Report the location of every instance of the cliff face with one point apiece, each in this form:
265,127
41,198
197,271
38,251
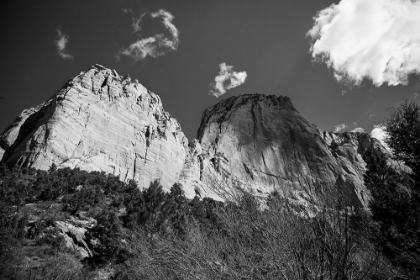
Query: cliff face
263,144
101,121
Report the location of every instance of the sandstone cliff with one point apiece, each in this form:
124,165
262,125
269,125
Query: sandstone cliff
263,144
101,121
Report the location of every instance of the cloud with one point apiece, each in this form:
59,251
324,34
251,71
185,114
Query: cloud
358,129
415,95
227,79
339,127
136,22
371,116
61,44
374,39
156,45
126,11
379,133
354,123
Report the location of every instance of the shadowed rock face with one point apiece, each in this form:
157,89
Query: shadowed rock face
263,144
100,121
103,122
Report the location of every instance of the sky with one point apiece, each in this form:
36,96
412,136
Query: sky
343,63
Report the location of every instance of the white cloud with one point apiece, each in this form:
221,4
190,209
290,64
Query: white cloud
136,22
379,133
156,45
227,79
358,129
354,123
374,39
371,116
61,44
167,21
339,127
415,95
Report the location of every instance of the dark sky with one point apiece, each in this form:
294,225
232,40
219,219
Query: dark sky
265,38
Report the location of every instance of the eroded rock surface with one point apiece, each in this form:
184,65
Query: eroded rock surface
100,121
263,144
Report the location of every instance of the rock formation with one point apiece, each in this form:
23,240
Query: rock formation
101,121
263,144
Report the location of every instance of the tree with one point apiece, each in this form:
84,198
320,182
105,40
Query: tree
403,128
395,191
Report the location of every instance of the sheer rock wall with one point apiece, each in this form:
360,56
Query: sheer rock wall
100,121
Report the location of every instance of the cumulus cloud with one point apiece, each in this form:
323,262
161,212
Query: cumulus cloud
379,133
339,127
374,39
358,129
156,45
61,44
227,79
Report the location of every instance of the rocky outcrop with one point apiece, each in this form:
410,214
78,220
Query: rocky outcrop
74,238
263,144
100,121
104,122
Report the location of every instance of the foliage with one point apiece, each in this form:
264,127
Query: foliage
153,234
395,191
403,129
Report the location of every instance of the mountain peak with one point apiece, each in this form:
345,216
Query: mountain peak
101,121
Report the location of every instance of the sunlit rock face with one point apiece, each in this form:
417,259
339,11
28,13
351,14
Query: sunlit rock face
100,121
263,144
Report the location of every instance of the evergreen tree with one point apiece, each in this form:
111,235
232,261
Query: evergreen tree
395,203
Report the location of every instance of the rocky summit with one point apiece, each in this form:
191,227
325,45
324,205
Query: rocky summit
100,121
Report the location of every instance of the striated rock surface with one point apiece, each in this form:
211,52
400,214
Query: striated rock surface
263,144
100,121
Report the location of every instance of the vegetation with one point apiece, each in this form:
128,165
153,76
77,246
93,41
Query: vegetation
130,233
395,191
152,234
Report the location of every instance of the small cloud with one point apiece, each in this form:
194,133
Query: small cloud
126,11
354,123
416,93
374,39
227,79
371,116
339,127
156,45
379,133
358,129
167,22
136,22
61,44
